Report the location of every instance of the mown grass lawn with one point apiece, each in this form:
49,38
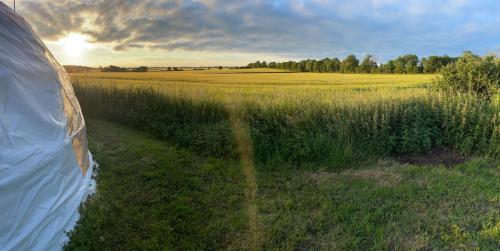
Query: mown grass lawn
387,206
153,196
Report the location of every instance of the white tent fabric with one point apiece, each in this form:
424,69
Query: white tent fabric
45,166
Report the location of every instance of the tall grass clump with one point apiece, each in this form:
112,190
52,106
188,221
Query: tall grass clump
336,135
199,125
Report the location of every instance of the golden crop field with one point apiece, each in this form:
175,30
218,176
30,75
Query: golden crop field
267,85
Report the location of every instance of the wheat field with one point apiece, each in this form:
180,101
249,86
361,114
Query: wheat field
268,85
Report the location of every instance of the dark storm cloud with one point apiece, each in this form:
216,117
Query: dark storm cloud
313,28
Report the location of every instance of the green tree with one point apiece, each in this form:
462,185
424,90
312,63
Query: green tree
309,65
327,65
406,64
433,64
368,65
349,64
335,65
316,66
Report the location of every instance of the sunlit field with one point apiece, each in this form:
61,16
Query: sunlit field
268,85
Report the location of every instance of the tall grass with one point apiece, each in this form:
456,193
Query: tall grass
337,135
302,126
200,125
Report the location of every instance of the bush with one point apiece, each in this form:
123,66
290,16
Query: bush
471,74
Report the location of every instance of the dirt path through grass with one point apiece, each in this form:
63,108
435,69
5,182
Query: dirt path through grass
243,140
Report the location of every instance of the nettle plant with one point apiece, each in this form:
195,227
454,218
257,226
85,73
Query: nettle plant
471,74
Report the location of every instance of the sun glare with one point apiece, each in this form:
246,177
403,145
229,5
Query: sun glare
75,44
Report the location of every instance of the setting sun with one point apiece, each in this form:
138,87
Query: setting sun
75,44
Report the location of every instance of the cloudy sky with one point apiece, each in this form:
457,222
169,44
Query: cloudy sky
228,32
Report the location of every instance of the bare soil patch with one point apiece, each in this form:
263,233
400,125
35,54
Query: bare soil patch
434,157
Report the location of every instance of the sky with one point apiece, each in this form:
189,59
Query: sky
229,32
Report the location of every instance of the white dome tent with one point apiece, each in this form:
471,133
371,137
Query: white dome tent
45,166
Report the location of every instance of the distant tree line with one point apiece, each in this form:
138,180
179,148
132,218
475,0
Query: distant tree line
173,69
401,65
113,68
